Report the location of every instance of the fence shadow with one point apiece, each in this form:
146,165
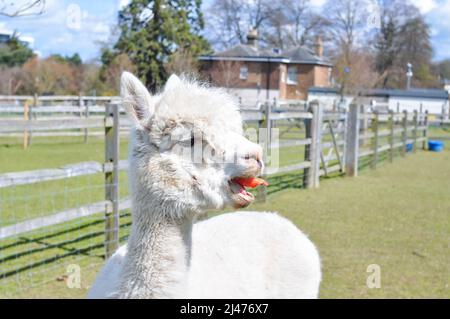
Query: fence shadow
95,240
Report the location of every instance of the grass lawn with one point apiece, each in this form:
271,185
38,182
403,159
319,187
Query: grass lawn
396,217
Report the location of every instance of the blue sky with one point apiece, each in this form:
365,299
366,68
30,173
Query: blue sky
79,26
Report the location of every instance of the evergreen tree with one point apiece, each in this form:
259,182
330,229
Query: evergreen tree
404,37
14,52
153,30
75,59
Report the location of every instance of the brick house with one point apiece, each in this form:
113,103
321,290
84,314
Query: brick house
255,73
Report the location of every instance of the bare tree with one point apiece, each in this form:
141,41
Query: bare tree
347,23
21,7
403,38
11,80
292,23
182,61
346,19
363,74
228,21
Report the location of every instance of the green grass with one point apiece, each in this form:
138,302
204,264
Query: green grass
51,152
395,216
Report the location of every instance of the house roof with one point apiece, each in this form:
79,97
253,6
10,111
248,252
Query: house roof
245,52
411,93
302,54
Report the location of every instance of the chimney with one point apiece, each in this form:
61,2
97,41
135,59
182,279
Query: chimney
319,46
252,38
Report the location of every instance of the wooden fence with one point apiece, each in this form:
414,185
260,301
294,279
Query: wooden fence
32,108
332,142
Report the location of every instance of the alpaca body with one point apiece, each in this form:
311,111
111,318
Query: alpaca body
270,258
188,154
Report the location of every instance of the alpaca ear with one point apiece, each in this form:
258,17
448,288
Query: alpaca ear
173,82
136,99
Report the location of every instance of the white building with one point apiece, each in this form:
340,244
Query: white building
435,101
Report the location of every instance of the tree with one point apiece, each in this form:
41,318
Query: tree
21,8
345,24
11,80
292,23
182,61
110,74
403,37
346,19
362,73
14,52
230,20
282,24
75,59
49,76
153,30
443,69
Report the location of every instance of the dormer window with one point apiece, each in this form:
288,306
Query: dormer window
292,75
243,72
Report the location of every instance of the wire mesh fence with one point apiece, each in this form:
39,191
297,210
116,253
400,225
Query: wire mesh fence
50,225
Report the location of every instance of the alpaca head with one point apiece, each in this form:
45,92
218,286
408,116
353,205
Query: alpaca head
187,147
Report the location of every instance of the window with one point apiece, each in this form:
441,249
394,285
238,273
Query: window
292,75
243,73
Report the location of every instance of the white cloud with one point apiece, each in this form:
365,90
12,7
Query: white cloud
53,32
317,3
65,38
425,6
123,3
4,28
100,27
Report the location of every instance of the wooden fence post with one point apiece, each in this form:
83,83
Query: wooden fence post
352,141
344,137
375,126
364,123
425,131
86,114
391,135
405,131
32,115
416,124
442,114
262,191
111,179
312,151
26,117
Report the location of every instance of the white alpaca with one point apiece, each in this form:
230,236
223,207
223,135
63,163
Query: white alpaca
235,255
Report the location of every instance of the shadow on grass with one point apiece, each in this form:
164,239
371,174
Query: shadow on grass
46,246
294,180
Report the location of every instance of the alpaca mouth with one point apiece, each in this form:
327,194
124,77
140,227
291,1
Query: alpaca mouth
241,197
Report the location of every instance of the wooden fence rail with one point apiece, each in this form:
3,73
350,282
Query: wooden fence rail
339,133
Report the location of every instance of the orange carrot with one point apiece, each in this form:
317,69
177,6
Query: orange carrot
251,182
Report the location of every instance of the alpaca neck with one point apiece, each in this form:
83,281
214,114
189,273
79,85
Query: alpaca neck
158,257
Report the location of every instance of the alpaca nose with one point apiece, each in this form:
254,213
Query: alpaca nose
255,154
